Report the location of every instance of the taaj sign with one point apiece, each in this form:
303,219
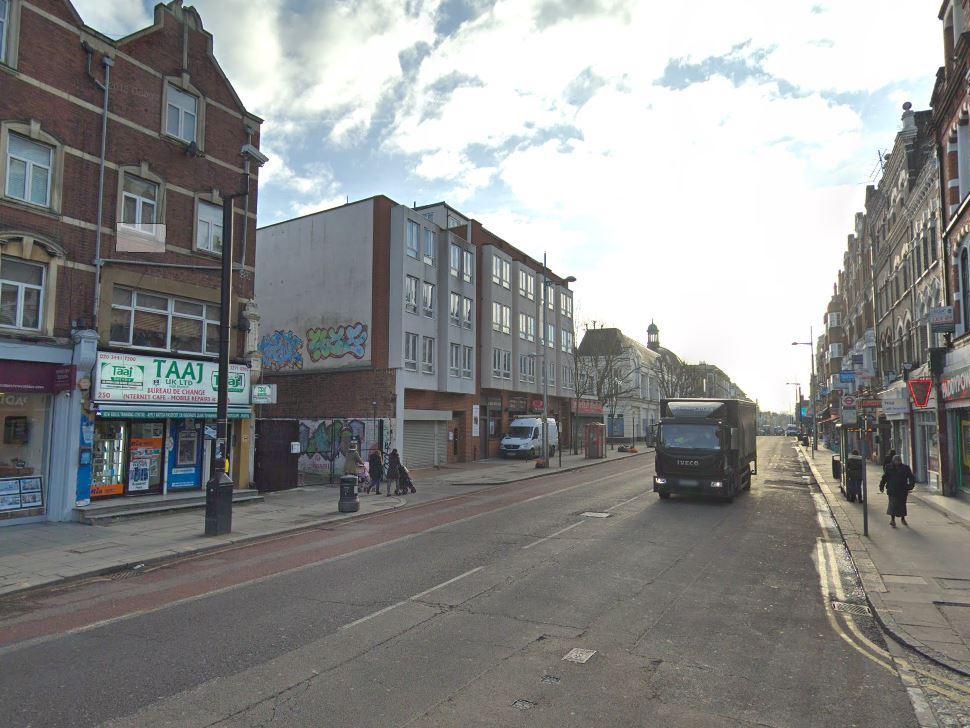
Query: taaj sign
133,378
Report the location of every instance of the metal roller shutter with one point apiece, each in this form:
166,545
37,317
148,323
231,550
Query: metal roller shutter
420,442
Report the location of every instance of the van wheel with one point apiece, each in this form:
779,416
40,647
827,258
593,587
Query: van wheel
532,453
552,450
663,496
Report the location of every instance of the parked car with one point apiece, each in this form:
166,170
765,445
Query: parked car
792,430
524,438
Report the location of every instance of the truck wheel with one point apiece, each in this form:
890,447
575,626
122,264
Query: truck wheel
728,499
663,496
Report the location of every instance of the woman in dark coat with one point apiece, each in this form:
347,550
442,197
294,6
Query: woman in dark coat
393,471
375,466
898,480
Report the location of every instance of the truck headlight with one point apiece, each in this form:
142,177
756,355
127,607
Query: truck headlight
717,484
660,481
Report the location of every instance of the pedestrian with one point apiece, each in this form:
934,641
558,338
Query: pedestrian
898,480
376,465
352,461
853,476
888,460
393,471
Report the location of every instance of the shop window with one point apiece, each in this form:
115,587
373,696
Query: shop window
23,451
21,294
153,321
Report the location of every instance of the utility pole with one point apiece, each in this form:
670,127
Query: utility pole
218,491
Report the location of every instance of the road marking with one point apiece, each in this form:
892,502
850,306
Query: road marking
628,500
30,642
579,654
552,535
412,598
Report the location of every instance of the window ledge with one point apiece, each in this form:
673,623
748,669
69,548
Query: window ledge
29,207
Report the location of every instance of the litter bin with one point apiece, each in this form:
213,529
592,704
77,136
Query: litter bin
349,502
837,467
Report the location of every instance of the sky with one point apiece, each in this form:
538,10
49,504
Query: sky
696,164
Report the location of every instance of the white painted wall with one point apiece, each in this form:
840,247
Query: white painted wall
313,276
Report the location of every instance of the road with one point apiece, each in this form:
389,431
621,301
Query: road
459,613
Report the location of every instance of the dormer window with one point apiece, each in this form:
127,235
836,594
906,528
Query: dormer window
182,115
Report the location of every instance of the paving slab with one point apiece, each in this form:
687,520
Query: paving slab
914,576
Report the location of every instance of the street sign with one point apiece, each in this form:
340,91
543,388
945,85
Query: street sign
846,376
849,416
942,320
264,394
848,401
920,390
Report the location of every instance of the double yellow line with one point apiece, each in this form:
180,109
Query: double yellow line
854,637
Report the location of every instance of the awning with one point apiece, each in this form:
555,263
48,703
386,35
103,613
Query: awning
121,411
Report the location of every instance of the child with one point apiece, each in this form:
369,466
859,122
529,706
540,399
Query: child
405,483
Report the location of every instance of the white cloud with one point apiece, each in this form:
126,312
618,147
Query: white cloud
720,209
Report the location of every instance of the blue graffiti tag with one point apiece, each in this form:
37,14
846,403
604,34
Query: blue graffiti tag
281,350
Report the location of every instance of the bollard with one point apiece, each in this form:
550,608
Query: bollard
349,502
837,467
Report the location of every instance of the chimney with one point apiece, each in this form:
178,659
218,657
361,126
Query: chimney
909,118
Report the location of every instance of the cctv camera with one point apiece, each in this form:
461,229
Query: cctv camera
248,150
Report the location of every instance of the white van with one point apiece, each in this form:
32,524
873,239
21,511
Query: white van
524,438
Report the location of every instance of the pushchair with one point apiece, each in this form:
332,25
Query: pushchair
404,482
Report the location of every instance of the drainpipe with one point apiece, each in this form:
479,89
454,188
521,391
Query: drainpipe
105,87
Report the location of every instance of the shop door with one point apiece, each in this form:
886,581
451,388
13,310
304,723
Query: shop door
146,447
276,467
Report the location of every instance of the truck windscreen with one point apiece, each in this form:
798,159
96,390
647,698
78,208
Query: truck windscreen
690,437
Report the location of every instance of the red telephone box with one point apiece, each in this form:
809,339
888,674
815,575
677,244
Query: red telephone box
594,435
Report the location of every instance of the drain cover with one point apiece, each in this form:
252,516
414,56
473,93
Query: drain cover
578,654
550,679
523,704
860,610
596,514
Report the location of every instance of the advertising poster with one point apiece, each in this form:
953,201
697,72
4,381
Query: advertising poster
9,502
139,474
476,413
9,487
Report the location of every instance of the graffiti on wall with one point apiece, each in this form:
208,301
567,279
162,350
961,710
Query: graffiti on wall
337,341
324,445
281,350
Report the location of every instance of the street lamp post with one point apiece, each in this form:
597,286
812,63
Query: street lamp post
812,384
798,402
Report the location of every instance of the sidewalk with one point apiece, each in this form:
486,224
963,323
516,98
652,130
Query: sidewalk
916,577
45,553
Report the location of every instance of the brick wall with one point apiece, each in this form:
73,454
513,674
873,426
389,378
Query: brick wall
50,85
460,405
315,395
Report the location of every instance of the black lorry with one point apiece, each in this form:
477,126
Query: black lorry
706,447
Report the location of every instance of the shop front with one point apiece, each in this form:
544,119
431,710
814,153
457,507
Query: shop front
956,399
154,428
894,431
27,391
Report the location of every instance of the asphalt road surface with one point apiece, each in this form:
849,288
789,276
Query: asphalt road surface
460,612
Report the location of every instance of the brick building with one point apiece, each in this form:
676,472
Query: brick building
382,325
110,302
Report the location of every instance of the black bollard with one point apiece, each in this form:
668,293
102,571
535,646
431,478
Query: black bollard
349,502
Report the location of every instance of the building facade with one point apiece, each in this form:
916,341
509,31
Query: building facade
620,373
110,290
409,328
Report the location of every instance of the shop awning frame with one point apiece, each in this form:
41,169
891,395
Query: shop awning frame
120,411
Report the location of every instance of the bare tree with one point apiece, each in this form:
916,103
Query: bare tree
605,369
674,377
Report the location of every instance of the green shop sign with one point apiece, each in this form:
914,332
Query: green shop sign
134,378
